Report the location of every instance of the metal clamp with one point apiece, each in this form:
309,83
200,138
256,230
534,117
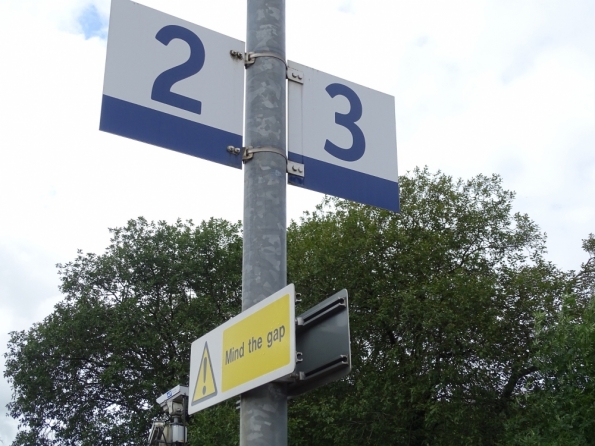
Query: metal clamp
251,58
292,167
249,152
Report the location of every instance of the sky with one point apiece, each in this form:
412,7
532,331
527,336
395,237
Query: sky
480,87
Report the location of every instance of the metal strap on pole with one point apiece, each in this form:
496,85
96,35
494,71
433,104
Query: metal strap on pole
250,151
251,57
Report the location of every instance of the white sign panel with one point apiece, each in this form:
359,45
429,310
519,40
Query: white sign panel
345,136
255,347
173,84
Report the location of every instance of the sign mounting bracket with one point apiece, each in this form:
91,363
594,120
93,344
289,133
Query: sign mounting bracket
295,75
294,168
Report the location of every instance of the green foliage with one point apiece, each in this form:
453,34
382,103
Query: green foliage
558,407
216,426
90,372
442,304
461,332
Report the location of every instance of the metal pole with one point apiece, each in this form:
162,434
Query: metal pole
263,413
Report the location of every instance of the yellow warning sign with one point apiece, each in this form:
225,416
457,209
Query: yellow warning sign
251,349
257,344
206,387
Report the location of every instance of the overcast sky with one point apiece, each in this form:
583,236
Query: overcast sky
503,86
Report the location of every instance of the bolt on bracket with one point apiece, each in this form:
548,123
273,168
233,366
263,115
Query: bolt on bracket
295,75
294,168
233,150
236,54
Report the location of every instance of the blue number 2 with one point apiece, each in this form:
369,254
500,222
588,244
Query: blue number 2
166,80
358,147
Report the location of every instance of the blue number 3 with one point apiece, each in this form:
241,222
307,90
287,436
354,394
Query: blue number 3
166,80
358,147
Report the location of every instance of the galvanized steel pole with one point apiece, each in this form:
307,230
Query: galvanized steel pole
264,271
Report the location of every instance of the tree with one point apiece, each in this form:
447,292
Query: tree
442,305
89,373
558,405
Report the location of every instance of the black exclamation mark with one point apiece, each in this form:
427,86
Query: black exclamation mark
204,380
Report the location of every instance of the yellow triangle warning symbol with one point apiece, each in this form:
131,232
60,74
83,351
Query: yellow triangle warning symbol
205,382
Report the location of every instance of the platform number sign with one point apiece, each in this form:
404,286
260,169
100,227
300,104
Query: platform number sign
345,136
173,84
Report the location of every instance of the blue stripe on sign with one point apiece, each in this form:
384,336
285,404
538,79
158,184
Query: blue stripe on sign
346,183
171,132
